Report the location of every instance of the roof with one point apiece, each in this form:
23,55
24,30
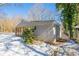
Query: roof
35,23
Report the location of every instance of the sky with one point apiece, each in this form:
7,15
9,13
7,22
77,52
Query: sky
21,9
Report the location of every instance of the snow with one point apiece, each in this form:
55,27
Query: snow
11,45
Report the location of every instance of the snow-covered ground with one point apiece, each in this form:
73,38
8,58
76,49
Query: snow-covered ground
10,45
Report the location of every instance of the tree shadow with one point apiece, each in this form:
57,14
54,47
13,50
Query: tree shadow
25,47
7,45
36,50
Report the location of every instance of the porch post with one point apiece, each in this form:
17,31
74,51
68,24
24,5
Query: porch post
16,31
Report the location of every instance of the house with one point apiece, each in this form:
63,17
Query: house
44,29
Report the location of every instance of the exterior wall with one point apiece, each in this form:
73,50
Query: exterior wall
43,32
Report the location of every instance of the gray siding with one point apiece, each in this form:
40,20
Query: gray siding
45,32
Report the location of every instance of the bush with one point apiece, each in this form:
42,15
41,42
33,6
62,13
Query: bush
28,35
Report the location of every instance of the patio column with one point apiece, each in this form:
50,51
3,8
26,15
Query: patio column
16,31
19,31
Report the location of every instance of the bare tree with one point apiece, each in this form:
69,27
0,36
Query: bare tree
38,12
